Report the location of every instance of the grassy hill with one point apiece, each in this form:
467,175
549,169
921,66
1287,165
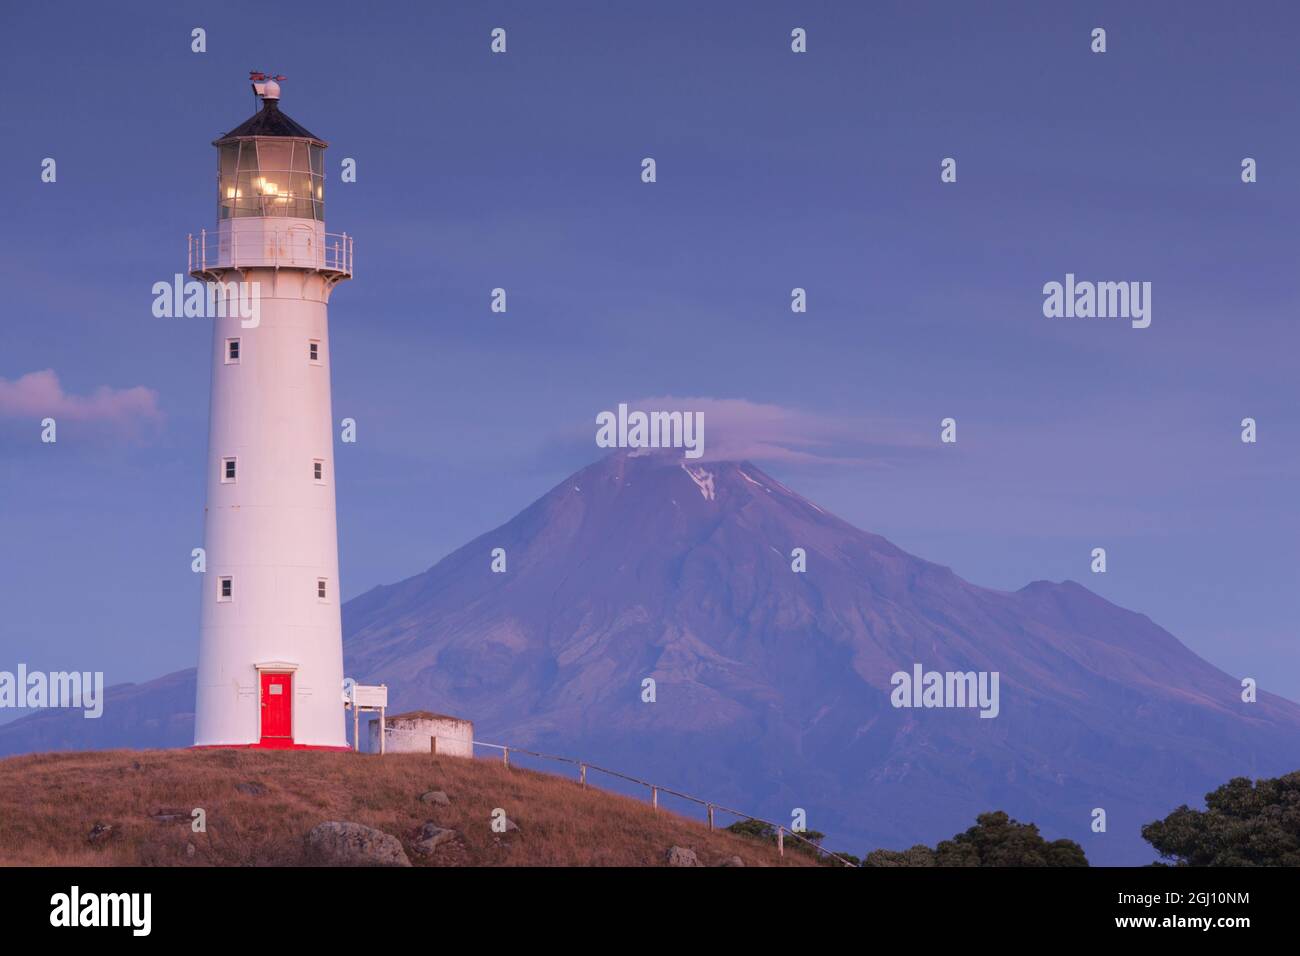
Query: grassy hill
132,808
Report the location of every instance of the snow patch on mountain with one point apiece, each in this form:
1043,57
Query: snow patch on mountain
703,479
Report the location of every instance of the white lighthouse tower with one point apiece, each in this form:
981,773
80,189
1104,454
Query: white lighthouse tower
270,643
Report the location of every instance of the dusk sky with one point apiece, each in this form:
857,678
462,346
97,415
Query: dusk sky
775,171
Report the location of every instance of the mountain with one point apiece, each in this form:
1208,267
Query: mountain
157,713
772,687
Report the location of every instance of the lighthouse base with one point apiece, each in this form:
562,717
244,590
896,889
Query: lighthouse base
273,711
270,745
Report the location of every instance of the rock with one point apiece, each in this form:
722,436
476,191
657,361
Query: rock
429,830
340,843
190,849
511,826
435,796
732,861
430,836
681,856
169,815
251,789
101,833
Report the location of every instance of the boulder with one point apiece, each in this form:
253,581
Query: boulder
340,843
430,836
681,856
435,796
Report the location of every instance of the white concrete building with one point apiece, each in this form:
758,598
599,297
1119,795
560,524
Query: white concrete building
270,644
422,732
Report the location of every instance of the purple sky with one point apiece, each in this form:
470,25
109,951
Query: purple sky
775,170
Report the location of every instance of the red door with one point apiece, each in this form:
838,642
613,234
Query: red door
277,708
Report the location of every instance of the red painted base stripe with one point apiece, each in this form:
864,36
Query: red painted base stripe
267,745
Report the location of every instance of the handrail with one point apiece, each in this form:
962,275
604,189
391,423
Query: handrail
333,254
656,789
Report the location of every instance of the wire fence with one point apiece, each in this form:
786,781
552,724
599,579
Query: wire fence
782,830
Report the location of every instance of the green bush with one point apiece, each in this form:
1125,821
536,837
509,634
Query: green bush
995,840
1244,823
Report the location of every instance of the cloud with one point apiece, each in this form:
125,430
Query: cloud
736,428
39,395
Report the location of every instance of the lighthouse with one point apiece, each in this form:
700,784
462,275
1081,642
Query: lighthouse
270,668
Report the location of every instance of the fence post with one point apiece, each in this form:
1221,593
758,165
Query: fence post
505,756
710,818
654,798
780,841
582,774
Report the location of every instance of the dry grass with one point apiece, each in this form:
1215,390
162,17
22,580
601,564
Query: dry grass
49,804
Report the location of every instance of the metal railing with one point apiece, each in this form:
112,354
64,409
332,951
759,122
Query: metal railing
655,789
283,250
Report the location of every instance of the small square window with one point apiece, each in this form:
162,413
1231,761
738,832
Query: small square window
322,590
225,589
318,471
227,470
232,351
313,351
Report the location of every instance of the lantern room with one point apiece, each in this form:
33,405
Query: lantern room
271,176
269,165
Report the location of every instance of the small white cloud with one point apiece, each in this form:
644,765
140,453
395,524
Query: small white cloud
38,395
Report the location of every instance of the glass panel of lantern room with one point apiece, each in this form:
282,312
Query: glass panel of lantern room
318,181
274,158
226,179
245,199
300,184
247,202
248,156
274,155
